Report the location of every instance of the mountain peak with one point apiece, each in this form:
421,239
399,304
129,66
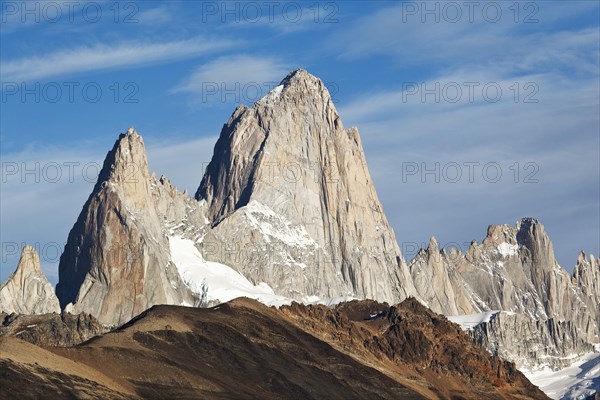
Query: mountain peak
305,85
299,110
433,244
290,156
529,231
527,222
116,260
581,257
27,290
127,156
498,234
299,75
29,261
125,168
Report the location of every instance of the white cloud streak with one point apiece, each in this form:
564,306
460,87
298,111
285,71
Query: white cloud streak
102,57
231,70
409,41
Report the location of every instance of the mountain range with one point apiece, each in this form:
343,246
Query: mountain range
287,213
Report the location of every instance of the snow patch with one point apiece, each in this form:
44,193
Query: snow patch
272,95
273,225
507,249
310,299
469,321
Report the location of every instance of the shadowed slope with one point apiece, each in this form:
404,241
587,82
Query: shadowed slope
239,350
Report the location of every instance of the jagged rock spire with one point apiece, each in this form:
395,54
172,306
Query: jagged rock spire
242,153
586,276
27,290
116,261
125,168
514,269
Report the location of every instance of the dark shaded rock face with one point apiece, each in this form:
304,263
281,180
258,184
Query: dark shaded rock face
51,329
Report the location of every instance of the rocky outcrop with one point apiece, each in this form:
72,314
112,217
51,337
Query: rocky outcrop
530,343
586,277
116,262
439,284
62,330
27,290
292,203
514,270
413,338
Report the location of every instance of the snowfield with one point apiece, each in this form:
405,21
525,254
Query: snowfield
219,283
572,383
272,95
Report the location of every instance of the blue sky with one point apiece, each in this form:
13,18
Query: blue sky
470,113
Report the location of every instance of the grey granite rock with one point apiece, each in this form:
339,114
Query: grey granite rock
27,290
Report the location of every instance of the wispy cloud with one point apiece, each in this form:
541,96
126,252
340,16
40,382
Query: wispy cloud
241,75
418,39
155,16
103,56
277,18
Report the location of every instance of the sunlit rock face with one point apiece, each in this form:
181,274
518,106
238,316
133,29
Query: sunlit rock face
27,290
293,204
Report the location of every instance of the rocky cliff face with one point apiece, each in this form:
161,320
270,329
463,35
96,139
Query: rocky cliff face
514,270
586,277
531,343
287,200
439,283
293,204
27,290
62,330
116,262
